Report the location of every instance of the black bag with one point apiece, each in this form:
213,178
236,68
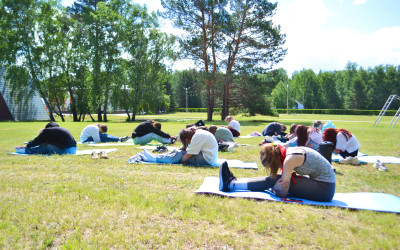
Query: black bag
326,148
199,123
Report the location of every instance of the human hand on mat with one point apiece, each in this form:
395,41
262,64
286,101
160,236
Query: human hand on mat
337,151
281,187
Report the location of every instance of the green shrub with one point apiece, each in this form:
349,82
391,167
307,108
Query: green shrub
337,111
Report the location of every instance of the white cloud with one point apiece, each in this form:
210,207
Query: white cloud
359,2
312,47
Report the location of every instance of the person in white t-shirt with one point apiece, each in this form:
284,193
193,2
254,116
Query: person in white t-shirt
345,143
97,133
199,149
233,126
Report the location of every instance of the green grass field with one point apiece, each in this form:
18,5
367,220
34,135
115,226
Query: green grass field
77,202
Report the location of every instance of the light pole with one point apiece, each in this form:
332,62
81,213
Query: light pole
187,89
287,99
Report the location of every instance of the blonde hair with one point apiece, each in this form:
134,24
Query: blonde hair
270,156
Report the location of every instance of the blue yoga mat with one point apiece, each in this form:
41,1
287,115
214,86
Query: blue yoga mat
78,152
364,201
231,163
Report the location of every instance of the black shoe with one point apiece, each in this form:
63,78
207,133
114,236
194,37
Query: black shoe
124,139
157,149
162,149
225,177
223,147
173,141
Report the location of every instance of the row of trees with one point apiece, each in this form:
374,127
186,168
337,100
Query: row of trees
110,53
351,88
101,54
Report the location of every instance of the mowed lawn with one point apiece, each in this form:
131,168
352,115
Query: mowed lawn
77,202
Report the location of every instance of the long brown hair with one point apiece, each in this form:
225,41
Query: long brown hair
330,134
302,135
270,156
187,133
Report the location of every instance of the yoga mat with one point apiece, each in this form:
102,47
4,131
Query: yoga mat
363,201
362,158
110,144
231,163
147,147
78,152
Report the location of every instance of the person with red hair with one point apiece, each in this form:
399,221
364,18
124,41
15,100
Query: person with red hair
345,143
316,179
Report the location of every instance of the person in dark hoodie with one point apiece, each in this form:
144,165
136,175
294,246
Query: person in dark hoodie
150,130
53,139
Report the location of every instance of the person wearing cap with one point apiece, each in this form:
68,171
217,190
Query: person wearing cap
53,139
299,171
233,126
150,130
97,133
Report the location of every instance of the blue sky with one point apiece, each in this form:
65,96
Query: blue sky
326,34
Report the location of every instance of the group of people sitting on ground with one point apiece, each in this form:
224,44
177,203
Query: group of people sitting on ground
54,139
288,166
342,141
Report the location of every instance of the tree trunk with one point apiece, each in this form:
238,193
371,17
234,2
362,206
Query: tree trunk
93,120
129,116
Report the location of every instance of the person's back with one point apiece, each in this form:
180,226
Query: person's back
91,131
224,134
56,136
315,165
271,129
203,141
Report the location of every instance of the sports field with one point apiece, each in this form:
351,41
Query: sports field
78,202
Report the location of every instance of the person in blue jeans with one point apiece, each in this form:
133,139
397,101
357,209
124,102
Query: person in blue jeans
199,149
97,133
53,139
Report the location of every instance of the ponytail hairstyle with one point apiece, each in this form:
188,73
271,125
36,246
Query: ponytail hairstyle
270,156
185,134
302,135
330,134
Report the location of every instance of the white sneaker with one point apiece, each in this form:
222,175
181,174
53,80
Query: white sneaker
377,163
103,155
94,155
382,167
350,160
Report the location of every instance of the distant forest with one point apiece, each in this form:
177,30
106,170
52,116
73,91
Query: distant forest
97,57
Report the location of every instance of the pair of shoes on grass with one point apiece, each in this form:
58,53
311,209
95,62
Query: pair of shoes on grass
380,166
161,149
103,155
350,160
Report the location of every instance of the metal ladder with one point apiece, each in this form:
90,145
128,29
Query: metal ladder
395,118
383,111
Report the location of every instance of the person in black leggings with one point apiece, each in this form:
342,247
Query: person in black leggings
305,173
